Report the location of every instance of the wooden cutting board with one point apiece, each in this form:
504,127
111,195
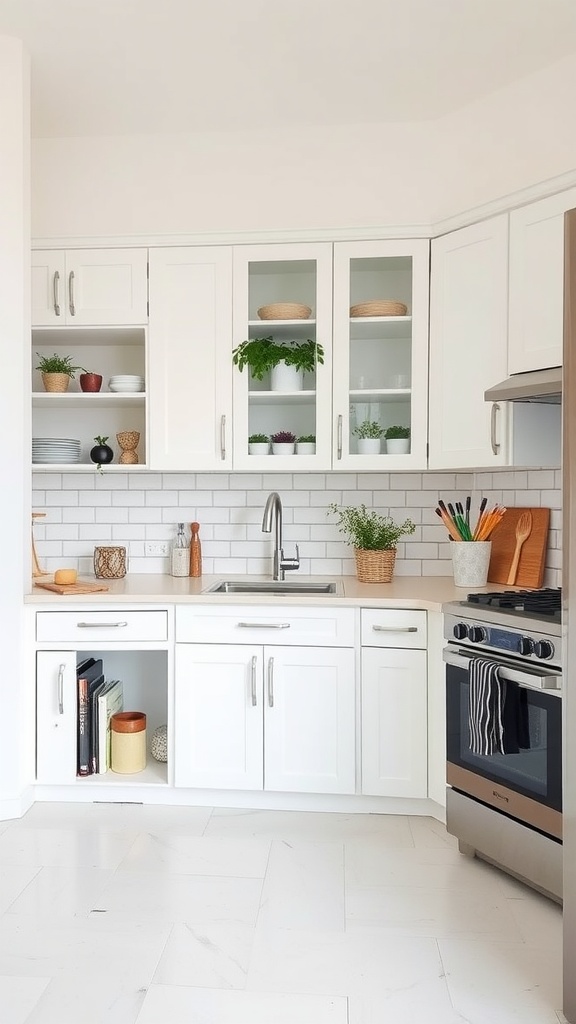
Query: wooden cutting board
533,554
72,588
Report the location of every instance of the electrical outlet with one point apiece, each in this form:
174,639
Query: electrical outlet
156,547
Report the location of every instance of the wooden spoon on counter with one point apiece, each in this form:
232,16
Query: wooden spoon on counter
523,531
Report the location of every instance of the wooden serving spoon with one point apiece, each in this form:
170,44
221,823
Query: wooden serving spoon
523,531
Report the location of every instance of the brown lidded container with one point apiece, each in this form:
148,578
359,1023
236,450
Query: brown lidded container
128,742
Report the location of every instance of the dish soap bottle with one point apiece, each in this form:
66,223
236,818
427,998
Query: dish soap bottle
180,553
195,551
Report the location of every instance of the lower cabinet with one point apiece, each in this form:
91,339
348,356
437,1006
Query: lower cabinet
265,717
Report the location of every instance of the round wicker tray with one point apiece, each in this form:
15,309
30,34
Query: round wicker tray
284,311
375,566
379,307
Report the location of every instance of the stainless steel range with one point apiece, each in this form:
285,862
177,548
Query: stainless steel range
504,731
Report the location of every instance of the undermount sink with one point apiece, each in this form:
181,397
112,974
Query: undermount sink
275,587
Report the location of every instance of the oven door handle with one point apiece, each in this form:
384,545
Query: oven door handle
530,680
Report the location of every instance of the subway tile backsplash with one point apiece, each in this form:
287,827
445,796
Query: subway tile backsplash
84,510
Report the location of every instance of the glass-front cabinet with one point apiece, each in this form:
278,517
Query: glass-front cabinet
282,331
380,354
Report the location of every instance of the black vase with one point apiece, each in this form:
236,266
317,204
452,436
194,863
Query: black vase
101,454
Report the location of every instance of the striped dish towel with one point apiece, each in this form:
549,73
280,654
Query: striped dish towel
485,708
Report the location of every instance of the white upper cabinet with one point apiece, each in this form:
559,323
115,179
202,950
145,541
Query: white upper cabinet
537,283
468,327
89,287
190,364
380,352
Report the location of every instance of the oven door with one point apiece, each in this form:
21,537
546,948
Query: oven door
526,785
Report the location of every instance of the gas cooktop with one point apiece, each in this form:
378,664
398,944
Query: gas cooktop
536,604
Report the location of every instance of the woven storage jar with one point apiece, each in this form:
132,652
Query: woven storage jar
284,311
375,566
379,307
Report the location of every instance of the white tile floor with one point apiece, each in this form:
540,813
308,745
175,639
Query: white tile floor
124,914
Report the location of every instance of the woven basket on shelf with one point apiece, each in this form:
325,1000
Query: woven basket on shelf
56,381
379,307
375,566
284,311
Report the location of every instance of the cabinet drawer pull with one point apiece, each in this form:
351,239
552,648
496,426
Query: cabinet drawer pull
71,305
339,441
61,689
223,437
263,625
395,629
270,682
100,625
493,442
253,681
56,291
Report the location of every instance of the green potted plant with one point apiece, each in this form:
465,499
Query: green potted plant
397,440
57,371
101,453
285,361
283,442
369,434
374,538
258,444
306,444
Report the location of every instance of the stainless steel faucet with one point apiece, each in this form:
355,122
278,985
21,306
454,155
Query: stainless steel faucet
273,509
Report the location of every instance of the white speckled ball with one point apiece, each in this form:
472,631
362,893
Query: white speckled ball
159,748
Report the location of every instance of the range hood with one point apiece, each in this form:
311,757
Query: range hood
536,386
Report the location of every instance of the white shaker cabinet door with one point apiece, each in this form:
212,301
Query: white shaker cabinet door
190,358
218,716
309,724
56,717
89,287
468,331
394,723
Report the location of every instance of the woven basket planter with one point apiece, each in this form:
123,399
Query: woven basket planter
375,566
55,381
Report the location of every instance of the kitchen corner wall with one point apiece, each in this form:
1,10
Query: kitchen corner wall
88,509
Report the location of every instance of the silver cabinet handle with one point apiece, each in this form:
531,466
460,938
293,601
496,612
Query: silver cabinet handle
100,625
61,689
253,681
270,682
56,291
339,437
395,629
223,437
71,305
263,625
495,445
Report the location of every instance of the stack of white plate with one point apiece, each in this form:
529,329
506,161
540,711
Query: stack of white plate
55,449
126,382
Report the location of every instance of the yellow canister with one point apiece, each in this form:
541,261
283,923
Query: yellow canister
128,742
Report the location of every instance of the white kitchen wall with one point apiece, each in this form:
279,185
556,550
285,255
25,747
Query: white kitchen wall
89,509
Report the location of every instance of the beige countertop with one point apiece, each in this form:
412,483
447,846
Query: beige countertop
427,592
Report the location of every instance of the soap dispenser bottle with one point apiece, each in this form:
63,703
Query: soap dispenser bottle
180,553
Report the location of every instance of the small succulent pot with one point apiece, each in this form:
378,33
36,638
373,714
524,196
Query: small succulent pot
55,381
305,448
369,445
283,447
258,447
102,454
398,445
90,381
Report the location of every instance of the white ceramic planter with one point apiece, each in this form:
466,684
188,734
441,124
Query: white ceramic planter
305,448
283,449
286,378
398,445
259,448
369,445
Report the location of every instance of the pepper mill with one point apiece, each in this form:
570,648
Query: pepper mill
195,551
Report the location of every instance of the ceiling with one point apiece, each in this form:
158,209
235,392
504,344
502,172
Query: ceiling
109,67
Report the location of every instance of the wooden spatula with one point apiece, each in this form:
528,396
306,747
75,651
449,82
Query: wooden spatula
523,531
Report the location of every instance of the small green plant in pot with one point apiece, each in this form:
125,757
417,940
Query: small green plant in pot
264,355
369,434
258,444
374,538
101,453
306,444
57,371
397,440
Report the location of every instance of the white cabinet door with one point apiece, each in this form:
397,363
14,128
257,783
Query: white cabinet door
394,723
537,283
218,716
468,328
190,358
56,717
89,287
309,724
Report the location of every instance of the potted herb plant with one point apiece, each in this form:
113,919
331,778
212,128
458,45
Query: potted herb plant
101,453
57,371
258,444
283,442
287,362
306,444
397,440
374,538
369,434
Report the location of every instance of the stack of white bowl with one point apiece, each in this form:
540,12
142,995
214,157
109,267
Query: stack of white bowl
126,382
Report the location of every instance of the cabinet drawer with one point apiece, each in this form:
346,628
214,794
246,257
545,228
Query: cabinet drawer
115,625
393,627
265,624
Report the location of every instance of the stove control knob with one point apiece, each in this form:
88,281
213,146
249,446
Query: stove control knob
525,645
477,634
544,649
460,631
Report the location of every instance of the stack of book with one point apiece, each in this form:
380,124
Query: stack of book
98,700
